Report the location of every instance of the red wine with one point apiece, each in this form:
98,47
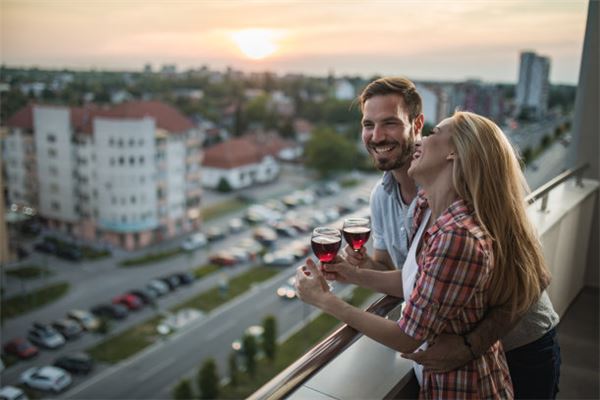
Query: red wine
357,236
326,247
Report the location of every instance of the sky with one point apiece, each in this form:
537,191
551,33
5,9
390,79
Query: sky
422,39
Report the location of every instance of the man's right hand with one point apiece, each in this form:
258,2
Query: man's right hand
359,258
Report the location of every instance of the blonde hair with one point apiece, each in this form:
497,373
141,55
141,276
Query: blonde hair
487,173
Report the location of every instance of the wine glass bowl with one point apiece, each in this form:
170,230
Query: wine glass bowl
357,231
325,243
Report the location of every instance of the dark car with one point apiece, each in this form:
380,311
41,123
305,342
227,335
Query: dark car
21,348
147,296
171,280
46,247
114,311
69,253
68,328
77,363
185,278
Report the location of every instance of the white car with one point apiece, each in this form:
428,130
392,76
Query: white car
12,393
287,290
46,378
279,258
86,319
194,242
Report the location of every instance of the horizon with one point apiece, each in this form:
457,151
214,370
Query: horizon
458,41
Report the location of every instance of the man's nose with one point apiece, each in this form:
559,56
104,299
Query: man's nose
378,134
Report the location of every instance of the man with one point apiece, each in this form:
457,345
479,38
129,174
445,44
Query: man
392,121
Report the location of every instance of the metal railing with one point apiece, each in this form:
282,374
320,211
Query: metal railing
543,191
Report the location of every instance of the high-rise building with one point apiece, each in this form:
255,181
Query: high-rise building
127,175
533,86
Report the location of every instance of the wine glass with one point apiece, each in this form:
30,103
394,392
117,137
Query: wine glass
325,243
356,232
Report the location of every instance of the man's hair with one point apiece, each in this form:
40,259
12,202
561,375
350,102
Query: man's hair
400,86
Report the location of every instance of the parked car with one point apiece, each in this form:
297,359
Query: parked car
21,348
69,253
85,319
76,363
12,393
114,311
287,290
46,378
131,301
146,295
236,225
159,286
46,247
185,278
172,281
215,233
68,328
266,236
223,258
45,336
279,258
195,241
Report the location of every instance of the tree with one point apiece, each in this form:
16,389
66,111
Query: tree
269,342
233,369
208,380
183,390
327,151
249,348
224,185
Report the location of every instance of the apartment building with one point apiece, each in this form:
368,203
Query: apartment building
534,84
128,175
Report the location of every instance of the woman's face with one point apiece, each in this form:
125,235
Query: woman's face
433,153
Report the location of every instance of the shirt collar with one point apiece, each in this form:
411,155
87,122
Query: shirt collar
388,181
453,214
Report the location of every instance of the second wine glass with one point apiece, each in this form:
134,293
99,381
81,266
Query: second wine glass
357,231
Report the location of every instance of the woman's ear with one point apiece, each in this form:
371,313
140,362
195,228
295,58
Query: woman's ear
451,156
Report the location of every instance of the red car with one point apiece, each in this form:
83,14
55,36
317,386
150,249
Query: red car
132,302
21,348
223,259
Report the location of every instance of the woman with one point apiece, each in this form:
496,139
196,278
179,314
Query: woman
477,250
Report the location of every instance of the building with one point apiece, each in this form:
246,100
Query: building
533,85
435,102
128,175
481,98
239,163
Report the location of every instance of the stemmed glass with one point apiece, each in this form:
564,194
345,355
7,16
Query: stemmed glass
325,243
356,232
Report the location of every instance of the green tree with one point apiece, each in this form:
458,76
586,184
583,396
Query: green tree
224,185
327,152
183,390
250,350
233,369
208,380
269,341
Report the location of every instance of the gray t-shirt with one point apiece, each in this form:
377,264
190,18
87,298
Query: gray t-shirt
391,225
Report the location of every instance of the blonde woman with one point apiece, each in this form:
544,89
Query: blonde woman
474,249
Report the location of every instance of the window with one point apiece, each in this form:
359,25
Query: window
52,153
131,142
53,170
132,199
51,138
54,188
112,161
120,143
141,160
121,160
132,160
111,142
113,200
55,206
140,142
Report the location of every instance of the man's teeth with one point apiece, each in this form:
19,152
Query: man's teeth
383,149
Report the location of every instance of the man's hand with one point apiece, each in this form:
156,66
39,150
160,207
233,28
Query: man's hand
447,353
358,258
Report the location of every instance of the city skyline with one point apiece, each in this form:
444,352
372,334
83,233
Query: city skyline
445,40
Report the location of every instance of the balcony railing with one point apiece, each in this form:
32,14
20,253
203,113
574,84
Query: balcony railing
564,208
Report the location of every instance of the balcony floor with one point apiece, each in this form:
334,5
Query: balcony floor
579,342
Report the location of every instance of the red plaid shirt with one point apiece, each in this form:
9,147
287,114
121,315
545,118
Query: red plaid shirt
450,296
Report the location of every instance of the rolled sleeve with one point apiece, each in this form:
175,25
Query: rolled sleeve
377,223
453,268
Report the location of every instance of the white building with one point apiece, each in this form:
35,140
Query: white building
344,90
128,175
533,86
435,103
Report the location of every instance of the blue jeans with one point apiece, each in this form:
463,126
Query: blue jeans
535,368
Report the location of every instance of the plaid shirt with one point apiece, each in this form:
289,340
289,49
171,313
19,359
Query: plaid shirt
450,296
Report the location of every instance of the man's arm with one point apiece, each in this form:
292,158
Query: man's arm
449,352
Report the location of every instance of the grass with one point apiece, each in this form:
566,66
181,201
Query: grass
126,343
135,339
349,182
91,253
21,304
29,272
222,208
213,298
150,258
205,270
289,351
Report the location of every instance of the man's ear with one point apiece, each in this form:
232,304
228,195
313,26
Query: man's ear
419,123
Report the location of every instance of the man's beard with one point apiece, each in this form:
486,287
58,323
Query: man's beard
389,164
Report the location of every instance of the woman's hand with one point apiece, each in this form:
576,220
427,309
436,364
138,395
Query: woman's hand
341,270
311,286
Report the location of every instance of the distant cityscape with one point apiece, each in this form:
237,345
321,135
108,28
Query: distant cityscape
124,158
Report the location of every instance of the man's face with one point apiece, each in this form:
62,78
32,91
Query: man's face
387,133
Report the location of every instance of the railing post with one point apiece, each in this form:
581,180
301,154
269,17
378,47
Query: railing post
579,178
544,203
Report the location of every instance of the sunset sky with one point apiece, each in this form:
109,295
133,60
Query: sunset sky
427,39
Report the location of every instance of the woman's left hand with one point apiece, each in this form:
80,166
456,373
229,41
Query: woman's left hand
311,286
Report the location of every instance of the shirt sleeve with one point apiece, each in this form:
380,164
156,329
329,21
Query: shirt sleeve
376,220
455,266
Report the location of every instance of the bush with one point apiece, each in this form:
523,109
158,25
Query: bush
249,348
269,342
183,390
233,369
224,186
208,380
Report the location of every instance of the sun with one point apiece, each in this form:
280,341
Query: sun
256,43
